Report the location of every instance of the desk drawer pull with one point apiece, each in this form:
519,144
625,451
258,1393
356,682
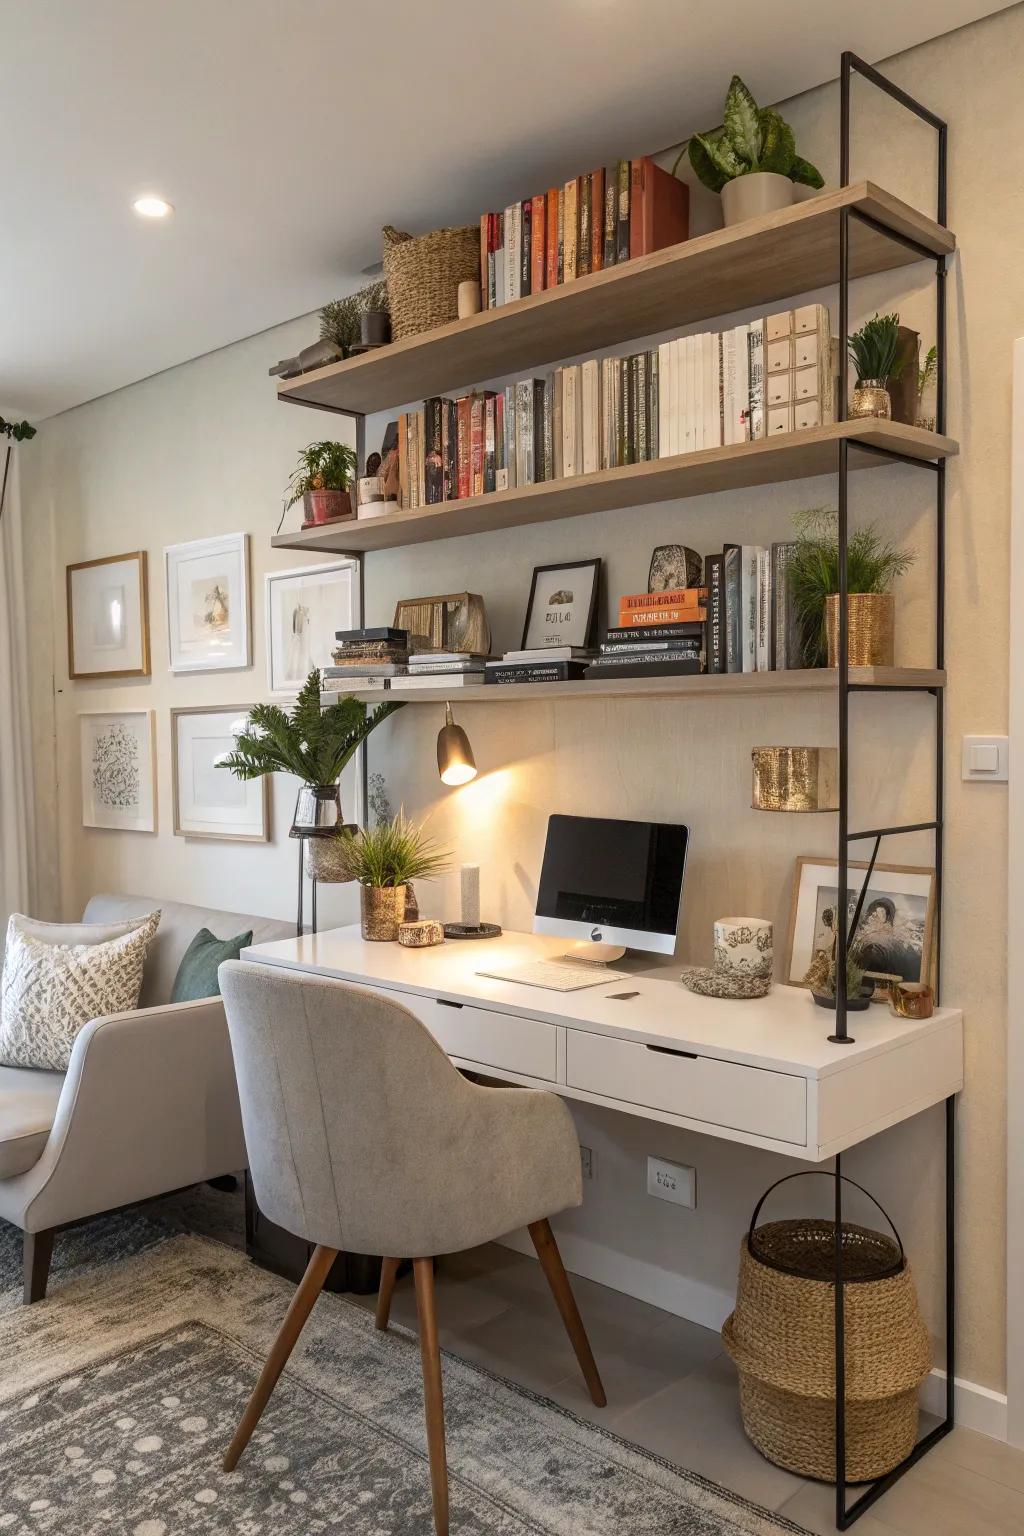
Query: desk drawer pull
668,1050
442,1002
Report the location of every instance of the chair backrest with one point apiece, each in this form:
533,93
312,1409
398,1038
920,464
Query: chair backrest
350,1108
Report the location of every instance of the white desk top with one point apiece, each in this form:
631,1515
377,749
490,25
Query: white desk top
784,1032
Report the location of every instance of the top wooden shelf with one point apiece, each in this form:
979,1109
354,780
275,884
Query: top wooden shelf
761,261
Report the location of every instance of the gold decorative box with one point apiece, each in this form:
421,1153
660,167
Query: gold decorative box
420,935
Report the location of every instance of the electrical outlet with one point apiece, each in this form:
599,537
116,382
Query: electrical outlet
587,1162
672,1181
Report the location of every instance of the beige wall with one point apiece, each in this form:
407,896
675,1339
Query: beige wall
205,449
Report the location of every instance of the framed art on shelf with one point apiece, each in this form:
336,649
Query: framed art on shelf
208,604
108,617
118,769
894,939
209,801
304,609
562,605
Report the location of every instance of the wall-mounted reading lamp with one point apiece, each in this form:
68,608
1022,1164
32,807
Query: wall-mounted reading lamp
455,761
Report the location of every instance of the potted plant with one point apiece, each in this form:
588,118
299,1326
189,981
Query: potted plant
751,160
314,744
321,481
358,321
927,380
821,975
384,859
873,564
873,351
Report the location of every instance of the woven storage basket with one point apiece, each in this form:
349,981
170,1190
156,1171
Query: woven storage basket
423,276
782,1339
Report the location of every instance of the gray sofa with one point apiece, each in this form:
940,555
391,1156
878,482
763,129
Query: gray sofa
148,1103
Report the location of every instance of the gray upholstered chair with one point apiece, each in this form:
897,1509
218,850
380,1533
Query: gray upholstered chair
362,1136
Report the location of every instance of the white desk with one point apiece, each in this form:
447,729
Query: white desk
759,1072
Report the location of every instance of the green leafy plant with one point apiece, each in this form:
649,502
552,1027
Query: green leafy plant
312,743
392,853
20,431
751,138
322,467
340,319
873,564
928,370
873,348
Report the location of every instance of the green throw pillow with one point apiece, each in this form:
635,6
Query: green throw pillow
197,973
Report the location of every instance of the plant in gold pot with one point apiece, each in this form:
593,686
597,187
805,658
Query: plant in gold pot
321,481
873,565
384,859
873,352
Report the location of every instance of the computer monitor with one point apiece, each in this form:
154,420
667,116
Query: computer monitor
612,883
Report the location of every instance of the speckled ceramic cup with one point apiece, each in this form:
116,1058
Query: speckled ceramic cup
744,945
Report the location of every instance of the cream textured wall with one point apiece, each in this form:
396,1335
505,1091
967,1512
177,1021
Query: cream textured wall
205,448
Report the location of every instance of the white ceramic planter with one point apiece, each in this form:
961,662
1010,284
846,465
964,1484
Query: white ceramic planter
748,197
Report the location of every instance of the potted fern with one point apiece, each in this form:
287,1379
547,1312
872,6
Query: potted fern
384,859
321,481
873,351
873,565
751,160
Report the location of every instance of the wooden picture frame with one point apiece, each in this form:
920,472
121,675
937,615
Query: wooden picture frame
908,889
117,761
214,572
256,796
581,638
118,616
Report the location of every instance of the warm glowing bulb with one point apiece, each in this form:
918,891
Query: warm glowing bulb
458,773
151,207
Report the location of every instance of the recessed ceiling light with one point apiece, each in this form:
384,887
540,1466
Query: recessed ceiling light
150,207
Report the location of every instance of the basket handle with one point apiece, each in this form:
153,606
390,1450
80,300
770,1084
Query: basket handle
822,1173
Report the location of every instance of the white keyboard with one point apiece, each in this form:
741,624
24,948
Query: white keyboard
558,975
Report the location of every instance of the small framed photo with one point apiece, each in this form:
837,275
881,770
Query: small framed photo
304,609
563,605
108,617
209,801
208,604
118,763
895,933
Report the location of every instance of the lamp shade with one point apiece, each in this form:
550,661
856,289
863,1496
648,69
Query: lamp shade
795,779
455,761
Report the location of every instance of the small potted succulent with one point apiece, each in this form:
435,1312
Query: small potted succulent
821,975
873,352
751,160
359,321
873,565
384,859
321,481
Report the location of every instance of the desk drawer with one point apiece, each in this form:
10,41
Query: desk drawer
500,1040
721,1093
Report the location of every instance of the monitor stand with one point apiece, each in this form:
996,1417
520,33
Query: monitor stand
595,954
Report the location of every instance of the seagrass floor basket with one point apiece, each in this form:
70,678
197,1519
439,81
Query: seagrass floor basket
423,275
782,1339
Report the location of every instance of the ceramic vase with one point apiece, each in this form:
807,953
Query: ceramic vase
326,506
749,197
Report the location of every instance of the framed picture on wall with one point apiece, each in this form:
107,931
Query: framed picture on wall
895,933
209,801
108,617
563,605
208,604
118,769
305,608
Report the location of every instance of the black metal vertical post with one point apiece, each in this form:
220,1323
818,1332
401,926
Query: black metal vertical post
841,1035
298,910
844,134
364,750
840,1331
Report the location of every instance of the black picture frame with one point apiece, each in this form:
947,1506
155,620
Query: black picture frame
559,566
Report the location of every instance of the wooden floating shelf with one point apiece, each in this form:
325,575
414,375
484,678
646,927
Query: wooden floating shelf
759,262
795,456
708,685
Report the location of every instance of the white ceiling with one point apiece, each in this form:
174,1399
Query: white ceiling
286,132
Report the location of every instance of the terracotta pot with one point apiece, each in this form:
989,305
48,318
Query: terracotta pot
748,197
381,909
326,507
871,628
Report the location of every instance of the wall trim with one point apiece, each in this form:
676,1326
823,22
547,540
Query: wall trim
1015,929
975,1407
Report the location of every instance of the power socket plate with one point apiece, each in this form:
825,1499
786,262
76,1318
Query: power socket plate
674,1182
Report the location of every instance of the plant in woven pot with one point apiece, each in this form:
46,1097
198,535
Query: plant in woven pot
873,351
873,565
384,859
321,481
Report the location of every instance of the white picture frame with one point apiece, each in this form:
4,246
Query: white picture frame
207,583
898,930
209,802
117,751
108,617
304,608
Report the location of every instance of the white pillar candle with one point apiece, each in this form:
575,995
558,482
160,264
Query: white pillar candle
471,895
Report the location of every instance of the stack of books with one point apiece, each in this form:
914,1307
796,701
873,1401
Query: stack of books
659,634
625,210
752,624
456,669
550,664
367,658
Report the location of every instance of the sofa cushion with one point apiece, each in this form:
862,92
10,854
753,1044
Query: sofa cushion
28,1103
197,973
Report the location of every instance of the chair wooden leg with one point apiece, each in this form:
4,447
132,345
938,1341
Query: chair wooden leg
551,1263
301,1306
37,1252
433,1399
388,1275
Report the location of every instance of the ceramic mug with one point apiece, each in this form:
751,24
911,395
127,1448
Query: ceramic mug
744,945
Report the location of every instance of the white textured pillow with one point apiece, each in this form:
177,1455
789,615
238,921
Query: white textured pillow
50,990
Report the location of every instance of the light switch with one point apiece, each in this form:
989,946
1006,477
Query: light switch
986,759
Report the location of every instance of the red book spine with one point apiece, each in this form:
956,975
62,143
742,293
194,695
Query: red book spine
637,207
462,433
596,220
552,239
476,445
538,235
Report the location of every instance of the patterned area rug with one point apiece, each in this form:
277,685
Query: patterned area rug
119,1394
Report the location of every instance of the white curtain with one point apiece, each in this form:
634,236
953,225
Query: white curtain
17,809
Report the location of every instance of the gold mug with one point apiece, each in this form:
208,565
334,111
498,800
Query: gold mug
911,999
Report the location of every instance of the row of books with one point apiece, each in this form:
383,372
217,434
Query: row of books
625,210
752,623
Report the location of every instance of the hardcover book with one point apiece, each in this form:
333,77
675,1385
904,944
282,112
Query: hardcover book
596,220
622,213
538,245
433,458
583,190
534,671
551,277
611,197
714,576
659,208
570,230
669,667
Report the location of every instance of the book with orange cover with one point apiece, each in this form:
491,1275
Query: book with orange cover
538,243
678,597
596,220
476,445
659,208
551,275
463,480
661,615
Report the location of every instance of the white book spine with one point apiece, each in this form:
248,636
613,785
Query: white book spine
710,414
697,367
689,396
728,388
741,417
570,421
764,611
676,427
748,607
755,354
607,431
509,429
512,214
591,422
664,354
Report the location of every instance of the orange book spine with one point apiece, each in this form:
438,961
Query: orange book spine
679,597
552,240
403,460
666,615
596,220
538,242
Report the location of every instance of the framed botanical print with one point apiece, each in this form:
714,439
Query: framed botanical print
894,938
208,603
118,769
208,800
563,605
108,617
305,608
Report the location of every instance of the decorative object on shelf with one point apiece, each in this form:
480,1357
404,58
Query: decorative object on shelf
709,981
821,978
118,768
798,779
304,608
389,467
911,1000
873,565
374,330
383,859
469,298
423,276
421,934
562,607
369,489
470,926
455,622
927,381
902,384
781,1337
318,355
321,481
744,945
206,802
894,935
673,567
208,603
357,322
873,351
455,761
108,617
751,160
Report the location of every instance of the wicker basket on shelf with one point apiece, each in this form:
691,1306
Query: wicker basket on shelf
423,276
782,1339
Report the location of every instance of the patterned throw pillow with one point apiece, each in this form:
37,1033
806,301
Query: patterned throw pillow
50,990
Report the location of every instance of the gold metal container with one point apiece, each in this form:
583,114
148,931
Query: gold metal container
795,779
872,622
871,398
911,999
324,859
381,910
